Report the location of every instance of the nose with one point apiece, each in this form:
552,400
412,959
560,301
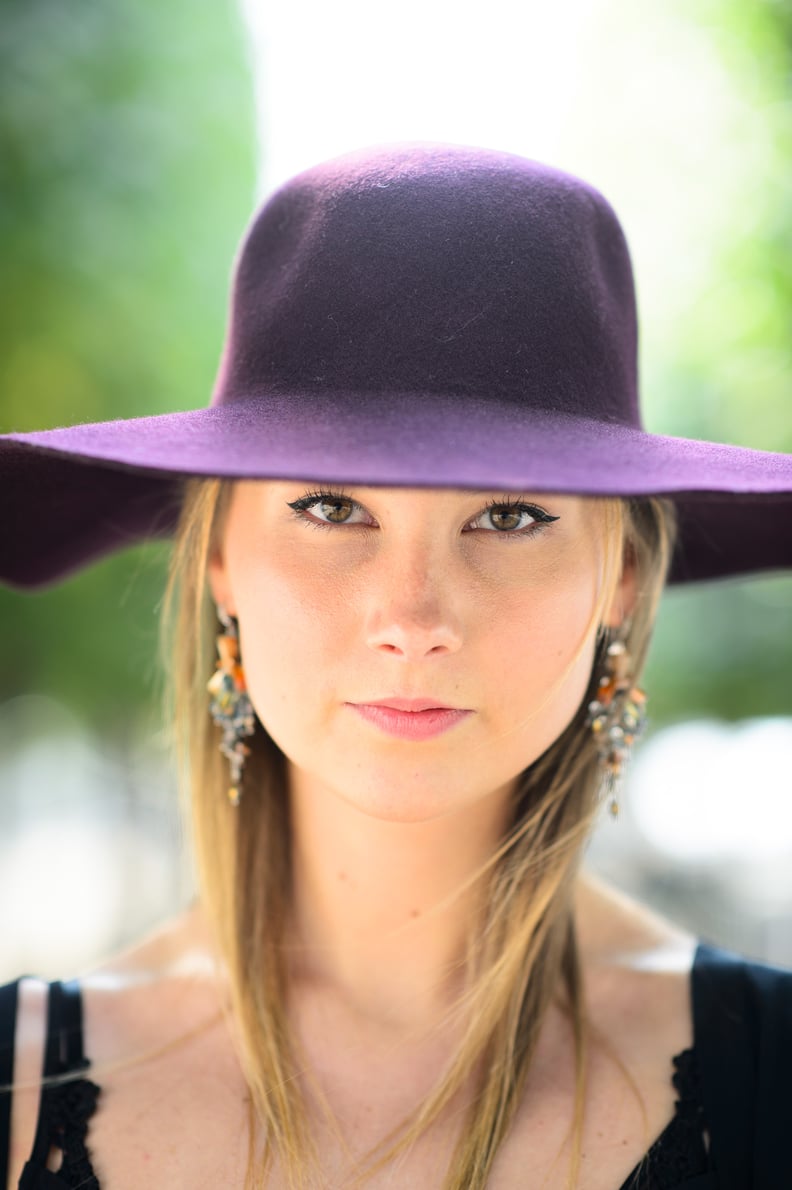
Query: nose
413,613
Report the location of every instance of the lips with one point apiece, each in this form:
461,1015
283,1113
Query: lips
409,704
412,719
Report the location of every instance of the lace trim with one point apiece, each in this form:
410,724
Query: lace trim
679,1151
66,1109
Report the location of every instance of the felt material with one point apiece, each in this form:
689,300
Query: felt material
414,314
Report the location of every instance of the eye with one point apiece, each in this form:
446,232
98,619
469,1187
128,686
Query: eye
507,517
512,518
327,508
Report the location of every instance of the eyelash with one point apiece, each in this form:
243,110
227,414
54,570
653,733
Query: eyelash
301,506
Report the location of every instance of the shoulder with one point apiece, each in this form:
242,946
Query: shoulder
761,988
654,985
637,985
638,959
164,987
742,1008
160,1036
170,978
153,1016
637,964
134,1002
743,1028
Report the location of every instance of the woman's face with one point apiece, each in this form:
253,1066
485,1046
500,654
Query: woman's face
348,597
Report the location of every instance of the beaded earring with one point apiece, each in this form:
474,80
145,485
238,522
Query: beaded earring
230,706
617,717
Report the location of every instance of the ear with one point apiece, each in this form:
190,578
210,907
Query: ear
219,581
624,595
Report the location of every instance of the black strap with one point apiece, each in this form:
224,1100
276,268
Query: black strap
771,990
63,1054
742,1018
9,1000
64,1107
723,1031
64,1051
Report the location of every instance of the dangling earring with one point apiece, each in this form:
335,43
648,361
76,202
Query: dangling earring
617,717
230,707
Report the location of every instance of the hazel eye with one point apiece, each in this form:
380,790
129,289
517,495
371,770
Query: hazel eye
334,509
512,518
322,509
509,518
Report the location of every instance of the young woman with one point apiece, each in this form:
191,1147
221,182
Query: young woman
420,539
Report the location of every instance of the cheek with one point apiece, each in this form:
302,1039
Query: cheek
291,631
544,655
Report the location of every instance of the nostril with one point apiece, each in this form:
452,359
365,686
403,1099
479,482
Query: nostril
414,633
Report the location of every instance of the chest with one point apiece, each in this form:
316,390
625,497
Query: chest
179,1116
170,1125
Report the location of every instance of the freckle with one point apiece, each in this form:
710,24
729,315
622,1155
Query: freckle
415,913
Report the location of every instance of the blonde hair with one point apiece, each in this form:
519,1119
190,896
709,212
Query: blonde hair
523,951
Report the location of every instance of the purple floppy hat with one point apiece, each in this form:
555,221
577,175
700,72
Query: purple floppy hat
412,314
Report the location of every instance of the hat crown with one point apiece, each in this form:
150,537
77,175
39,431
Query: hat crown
436,269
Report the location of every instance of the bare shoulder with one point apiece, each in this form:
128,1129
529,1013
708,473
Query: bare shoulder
611,922
158,1003
637,967
162,987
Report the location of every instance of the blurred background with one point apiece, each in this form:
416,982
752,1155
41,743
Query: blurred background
135,139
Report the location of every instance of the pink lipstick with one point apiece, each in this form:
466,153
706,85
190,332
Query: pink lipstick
395,717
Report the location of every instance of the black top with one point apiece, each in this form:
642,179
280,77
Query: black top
64,1108
732,1085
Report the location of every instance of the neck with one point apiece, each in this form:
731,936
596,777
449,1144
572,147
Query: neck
382,909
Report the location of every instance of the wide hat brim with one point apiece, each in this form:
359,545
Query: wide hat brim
420,315
75,494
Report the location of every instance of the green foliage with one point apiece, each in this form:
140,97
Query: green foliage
127,144
725,648
722,650
726,371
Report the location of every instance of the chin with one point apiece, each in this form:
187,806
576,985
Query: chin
410,796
